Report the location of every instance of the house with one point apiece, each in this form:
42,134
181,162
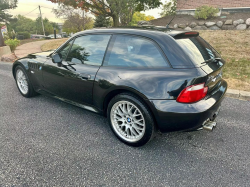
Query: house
189,6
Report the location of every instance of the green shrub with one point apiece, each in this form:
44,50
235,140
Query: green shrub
9,35
12,44
205,12
23,35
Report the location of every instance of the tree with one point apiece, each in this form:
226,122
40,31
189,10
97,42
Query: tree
23,24
5,5
4,16
121,11
169,8
75,18
140,17
101,21
48,26
76,23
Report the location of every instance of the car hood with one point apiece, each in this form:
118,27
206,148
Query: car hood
41,54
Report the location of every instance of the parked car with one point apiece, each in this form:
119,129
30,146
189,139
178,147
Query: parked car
53,36
141,80
36,36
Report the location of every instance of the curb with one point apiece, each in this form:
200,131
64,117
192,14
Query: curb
238,94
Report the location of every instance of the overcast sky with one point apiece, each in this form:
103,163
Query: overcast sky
26,6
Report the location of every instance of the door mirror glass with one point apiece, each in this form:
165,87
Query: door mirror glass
56,58
76,61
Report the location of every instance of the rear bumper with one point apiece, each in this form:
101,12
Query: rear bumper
173,116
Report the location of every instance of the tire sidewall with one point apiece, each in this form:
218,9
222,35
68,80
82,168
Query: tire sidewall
149,122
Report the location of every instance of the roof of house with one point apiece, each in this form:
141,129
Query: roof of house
193,4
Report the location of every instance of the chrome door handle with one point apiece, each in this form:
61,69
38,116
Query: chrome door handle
85,77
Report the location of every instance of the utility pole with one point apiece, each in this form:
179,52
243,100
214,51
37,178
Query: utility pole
83,16
41,19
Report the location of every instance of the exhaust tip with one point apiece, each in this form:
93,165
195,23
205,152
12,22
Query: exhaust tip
209,125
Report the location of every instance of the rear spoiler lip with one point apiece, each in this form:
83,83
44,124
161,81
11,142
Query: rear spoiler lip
184,35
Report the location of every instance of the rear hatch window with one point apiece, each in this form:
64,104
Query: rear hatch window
198,50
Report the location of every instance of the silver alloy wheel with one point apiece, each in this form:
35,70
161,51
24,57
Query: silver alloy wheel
127,121
22,81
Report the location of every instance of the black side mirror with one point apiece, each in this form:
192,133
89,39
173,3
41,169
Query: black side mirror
56,58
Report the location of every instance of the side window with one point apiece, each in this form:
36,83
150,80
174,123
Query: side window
64,51
132,51
88,49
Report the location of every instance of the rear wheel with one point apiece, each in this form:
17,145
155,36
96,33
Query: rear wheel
130,120
23,83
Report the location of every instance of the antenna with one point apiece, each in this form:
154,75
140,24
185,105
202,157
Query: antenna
167,26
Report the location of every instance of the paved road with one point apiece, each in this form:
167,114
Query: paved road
45,142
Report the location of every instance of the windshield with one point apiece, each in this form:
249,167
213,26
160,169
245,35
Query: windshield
197,49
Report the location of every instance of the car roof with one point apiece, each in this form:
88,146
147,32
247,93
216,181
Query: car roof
137,31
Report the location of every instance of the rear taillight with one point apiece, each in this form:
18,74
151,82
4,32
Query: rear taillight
192,93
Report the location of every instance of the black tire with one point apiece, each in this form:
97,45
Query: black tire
30,92
149,123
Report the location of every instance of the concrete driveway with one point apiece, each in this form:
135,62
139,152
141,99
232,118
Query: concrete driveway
28,48
45,142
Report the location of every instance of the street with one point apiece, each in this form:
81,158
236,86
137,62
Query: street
46,142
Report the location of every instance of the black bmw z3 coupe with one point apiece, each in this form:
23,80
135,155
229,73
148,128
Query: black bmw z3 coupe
142,80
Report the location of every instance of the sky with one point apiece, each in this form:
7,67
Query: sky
24,7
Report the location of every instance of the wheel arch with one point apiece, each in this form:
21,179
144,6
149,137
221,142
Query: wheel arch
22,63
134,93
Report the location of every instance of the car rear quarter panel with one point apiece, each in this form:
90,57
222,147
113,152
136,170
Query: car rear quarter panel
149,84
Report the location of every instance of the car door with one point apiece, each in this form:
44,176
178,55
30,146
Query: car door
73,78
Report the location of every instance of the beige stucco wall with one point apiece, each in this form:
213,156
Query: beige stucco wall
4,50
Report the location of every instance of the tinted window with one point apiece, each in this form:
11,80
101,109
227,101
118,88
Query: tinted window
131,51
197,49
89,49
64,51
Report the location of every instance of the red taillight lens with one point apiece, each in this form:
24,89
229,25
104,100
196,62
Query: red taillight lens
192,93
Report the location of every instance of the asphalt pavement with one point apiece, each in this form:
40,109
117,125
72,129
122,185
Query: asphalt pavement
45,142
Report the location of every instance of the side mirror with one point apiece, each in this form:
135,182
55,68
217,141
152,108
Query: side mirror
56,58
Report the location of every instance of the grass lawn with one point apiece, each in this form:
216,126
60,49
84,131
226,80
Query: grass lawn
234,46
53,44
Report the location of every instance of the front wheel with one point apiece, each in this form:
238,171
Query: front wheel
23,82
130,120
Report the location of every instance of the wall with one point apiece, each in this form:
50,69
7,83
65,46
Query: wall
4,50
193,4
228,24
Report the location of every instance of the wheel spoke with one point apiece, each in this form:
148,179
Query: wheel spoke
129,109
139,123
121,125
119,111
126,130
124,109
137,127
136,115
135,112
25,83
133,131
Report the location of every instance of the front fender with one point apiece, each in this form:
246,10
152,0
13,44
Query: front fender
22,62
